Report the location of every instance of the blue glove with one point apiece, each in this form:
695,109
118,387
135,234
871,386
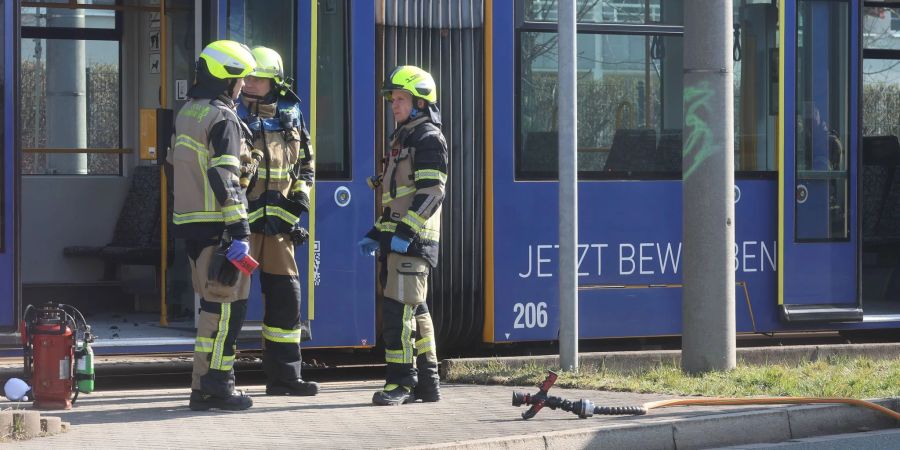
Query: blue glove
399,245
367,246
237,250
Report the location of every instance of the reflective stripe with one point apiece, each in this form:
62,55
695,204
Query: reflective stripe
386,226
301,186
234,213
191,143
431,174
425,233
226,161
218,356
227,362
282,214
406,336
402,191
203,345
281,335
276,174
394,356
415,221
272,211
430,235
255,215
200,216
424,345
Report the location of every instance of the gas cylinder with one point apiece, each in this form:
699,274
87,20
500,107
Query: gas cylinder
84,365
52,344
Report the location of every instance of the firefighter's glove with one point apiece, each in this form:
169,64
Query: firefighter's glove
238,249
367,246
399,245
299,235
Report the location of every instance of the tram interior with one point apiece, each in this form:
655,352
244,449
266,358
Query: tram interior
881,225
90,226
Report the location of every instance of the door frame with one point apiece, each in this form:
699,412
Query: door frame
825,311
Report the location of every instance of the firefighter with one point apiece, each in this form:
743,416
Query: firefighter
210,213
278,195
407,236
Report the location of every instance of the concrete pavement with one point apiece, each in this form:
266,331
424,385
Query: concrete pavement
469,417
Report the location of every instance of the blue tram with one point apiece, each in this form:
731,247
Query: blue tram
88,85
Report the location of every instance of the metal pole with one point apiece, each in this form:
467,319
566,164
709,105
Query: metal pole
708,340
163,182
568,189
66,95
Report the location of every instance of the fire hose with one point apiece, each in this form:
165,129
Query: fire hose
584,408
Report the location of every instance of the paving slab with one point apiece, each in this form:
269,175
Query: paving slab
341,416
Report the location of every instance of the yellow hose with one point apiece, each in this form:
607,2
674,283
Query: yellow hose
768,401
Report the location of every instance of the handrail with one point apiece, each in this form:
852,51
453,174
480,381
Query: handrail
76,5
115,151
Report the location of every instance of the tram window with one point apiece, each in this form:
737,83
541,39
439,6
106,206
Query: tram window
755,86
332,111
269,23
69,18
629,106
881,72
822,118
608,11
64,51
53,120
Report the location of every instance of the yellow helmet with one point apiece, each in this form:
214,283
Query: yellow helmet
412,79
268,65
228,59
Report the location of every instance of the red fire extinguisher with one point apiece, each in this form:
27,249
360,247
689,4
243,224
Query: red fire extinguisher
50,333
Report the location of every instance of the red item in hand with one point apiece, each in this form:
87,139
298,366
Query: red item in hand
246,264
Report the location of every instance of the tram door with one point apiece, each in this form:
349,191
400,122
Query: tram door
7,171
818,239
338,103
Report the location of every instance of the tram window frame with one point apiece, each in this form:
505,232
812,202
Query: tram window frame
6,150
850,177
646,30
84,34
605,28
873,54
345,172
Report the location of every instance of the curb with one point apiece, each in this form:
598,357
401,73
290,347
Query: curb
770,425
643,360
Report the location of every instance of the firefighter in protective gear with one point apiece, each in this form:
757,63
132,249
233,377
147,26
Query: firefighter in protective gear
278,195
408,235
210,213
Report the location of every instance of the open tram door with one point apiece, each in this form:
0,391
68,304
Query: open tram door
8,211
819,140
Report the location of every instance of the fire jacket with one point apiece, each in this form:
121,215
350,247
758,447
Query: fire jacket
412,189
208,144
279,193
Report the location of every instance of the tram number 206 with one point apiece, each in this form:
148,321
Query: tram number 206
530,315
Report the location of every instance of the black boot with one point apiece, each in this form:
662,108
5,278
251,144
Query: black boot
393,395
217,391
429,389
293,387
203,402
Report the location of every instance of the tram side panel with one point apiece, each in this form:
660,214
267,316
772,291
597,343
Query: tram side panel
630,260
